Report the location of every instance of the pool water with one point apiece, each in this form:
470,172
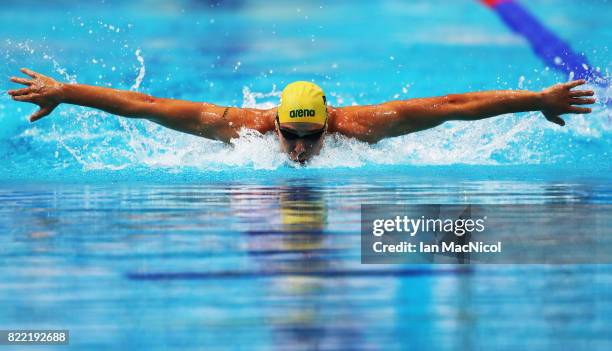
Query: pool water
219,266
136,237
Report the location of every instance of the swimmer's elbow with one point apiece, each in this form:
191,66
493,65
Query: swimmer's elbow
139,106
455,107
372,139
369,137
147,106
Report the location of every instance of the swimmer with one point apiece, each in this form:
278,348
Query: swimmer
303,116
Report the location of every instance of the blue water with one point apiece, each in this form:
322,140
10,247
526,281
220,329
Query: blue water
136,237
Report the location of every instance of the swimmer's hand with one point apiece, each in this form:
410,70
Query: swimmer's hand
373,123
198,118
41,90
560,98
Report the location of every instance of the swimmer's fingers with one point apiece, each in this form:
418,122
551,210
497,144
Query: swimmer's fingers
18,92
25,98
21,81
554,119
557,120
574,83
34,98
578,101
579,110
577,93
42,112
30,73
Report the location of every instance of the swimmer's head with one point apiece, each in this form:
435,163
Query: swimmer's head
301,120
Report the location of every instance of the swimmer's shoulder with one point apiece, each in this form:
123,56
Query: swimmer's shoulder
261,120
354,122
340,120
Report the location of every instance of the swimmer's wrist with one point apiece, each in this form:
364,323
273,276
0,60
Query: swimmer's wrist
66,92
61,93
538,100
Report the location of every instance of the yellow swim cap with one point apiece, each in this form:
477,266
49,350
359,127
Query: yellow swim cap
302,102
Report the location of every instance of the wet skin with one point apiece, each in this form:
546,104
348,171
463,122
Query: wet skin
369,123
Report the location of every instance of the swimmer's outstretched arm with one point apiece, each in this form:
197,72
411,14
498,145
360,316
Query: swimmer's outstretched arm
202,119
375,122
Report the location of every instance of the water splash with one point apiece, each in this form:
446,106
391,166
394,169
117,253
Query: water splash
250,99
97,141
141,71
94,140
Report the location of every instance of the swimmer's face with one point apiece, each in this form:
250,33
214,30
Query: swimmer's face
301,141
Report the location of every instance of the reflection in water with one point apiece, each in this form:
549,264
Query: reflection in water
304,323
288,237
302,213
275,266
